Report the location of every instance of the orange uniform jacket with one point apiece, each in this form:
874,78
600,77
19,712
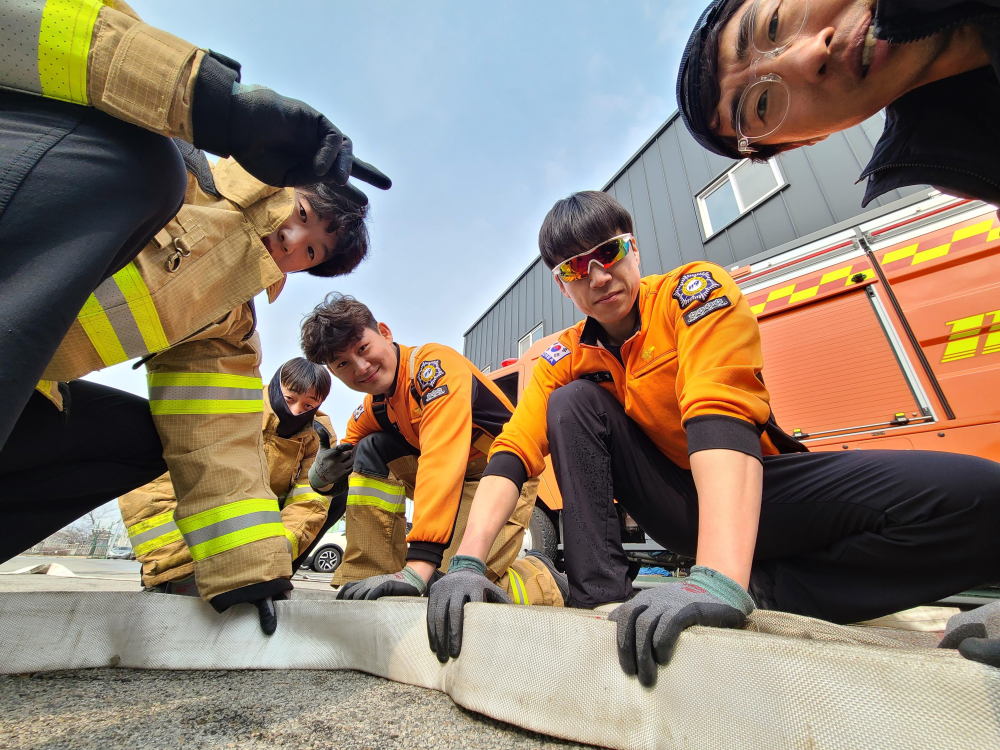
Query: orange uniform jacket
444,406
691,377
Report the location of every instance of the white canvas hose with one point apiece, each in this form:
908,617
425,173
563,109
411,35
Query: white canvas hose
551,670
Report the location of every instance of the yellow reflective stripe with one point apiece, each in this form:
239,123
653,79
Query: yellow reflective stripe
150,523
215,379
137,295
392,489
201,406
161,541
303,493
294,541
63,46
231,525
376,502
231,402
517,587
235,539
101,333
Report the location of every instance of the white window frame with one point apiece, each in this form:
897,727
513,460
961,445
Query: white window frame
706,221
527,337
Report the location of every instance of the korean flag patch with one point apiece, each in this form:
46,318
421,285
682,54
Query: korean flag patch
555,352
358,412
695,287
429,373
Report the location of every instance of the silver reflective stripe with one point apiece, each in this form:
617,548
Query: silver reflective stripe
157,531
215,530
393,498
202,393
20,26
116,307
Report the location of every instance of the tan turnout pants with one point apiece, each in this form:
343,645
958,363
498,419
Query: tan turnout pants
376,534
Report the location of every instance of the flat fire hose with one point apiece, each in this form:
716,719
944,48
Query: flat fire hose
787,682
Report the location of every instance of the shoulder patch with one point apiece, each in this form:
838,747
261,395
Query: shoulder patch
604,376
358,412
433,394
555,352
695,287
719,303
429,373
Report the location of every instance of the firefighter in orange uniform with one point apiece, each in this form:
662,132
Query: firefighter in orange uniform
657,399
424,430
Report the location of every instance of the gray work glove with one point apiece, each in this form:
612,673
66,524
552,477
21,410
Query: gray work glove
465,581
332,464
406,582
976,634
650,623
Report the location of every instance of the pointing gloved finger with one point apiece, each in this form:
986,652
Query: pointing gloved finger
268,616
324,435
329,148
983,650
351,193
362,170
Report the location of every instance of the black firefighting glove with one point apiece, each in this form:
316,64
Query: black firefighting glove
406,582
650,623
976,634
465,581
262,596
332,465
282,142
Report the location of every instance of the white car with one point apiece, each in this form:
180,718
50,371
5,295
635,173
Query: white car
328,554
121,553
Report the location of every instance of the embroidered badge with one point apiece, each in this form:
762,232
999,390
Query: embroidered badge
709,307
695,287
647,353
358,412
436,393
598,377
429,373
555,352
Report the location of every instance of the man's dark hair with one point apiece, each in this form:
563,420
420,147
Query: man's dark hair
302,376
577,223
334,326
698,89
345,217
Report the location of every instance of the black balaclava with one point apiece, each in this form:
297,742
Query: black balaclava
288,423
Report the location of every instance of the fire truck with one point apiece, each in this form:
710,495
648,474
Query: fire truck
884,335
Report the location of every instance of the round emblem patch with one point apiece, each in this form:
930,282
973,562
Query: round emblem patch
695,285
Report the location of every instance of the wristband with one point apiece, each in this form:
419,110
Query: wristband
722,587
466,562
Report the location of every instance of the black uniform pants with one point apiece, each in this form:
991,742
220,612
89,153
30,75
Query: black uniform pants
57,466
81,193
843,536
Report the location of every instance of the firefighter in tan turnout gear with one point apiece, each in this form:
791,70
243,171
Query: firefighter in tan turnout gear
291,404
99,264
424,431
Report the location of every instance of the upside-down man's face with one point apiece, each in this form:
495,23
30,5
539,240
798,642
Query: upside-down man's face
833,82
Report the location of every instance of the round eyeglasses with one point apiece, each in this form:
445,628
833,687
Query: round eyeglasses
773,26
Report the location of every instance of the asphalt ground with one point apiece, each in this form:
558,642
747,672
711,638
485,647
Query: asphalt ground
102,708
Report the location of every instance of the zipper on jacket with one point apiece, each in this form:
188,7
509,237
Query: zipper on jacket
917,165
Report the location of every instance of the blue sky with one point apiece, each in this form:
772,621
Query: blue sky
483,114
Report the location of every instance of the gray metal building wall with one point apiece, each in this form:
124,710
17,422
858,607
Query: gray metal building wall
658,186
